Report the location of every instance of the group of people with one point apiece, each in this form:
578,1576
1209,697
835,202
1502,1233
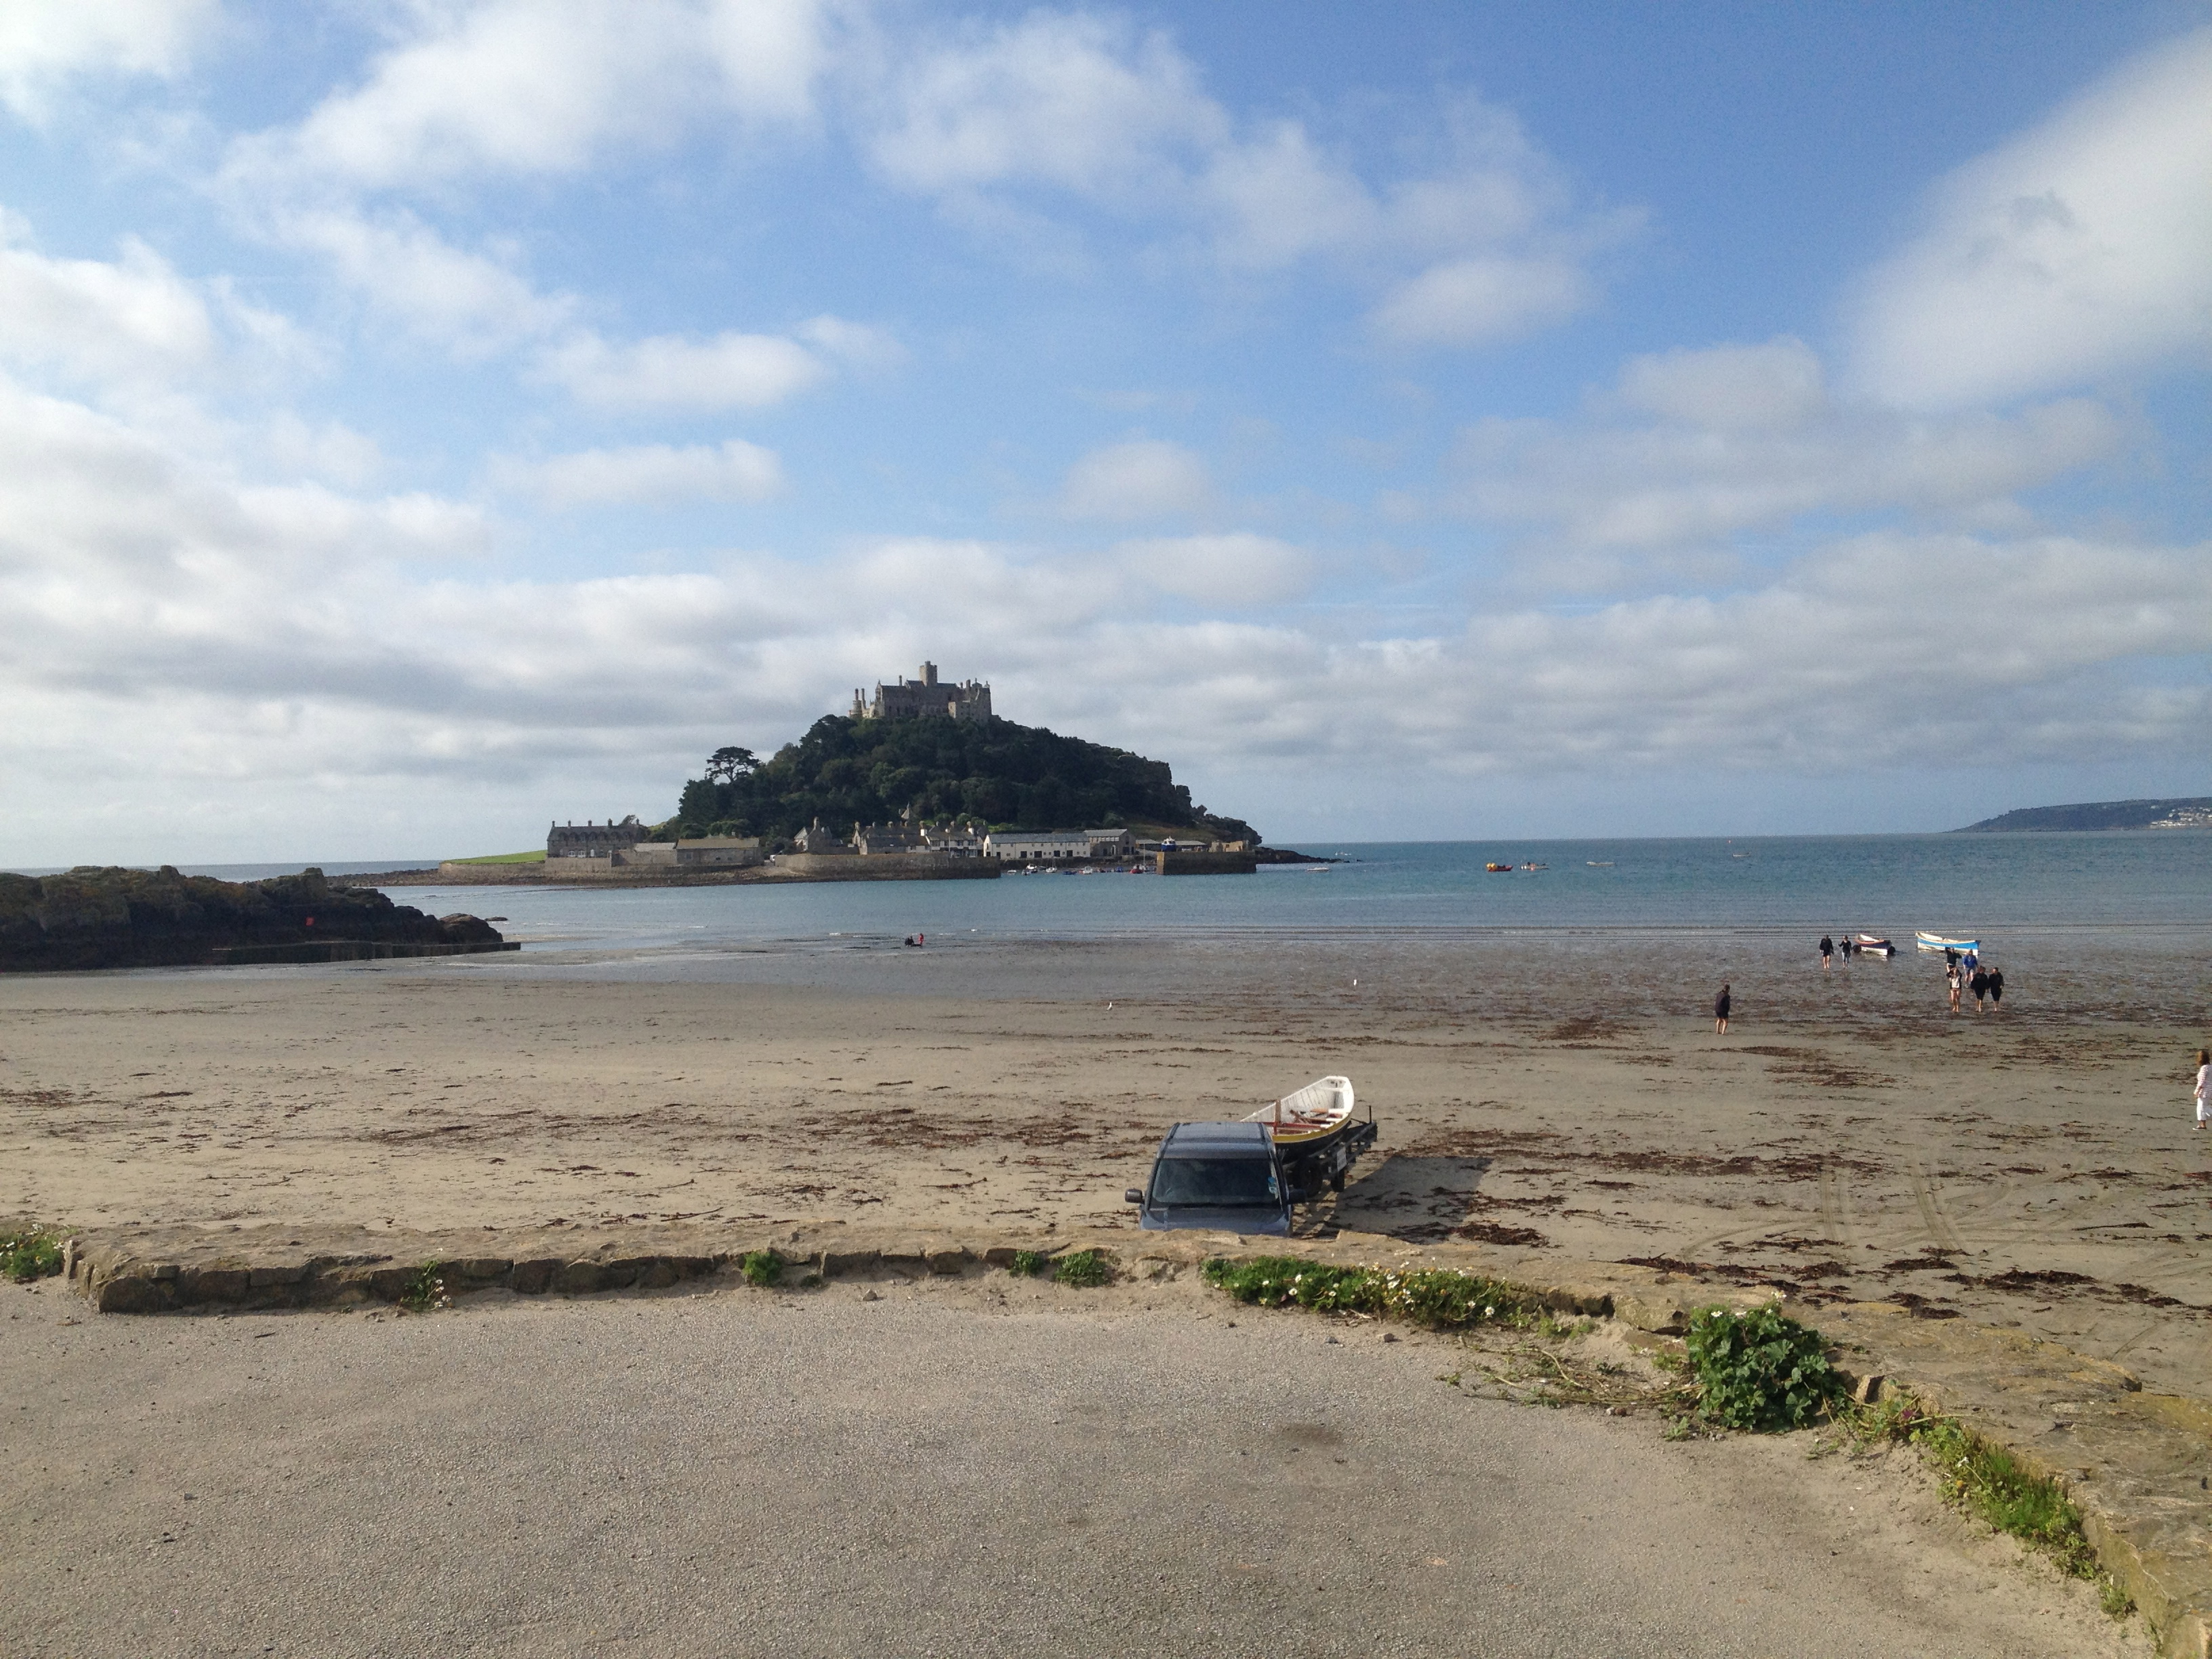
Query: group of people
1847,947
1963,972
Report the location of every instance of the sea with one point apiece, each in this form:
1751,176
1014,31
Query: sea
2116,922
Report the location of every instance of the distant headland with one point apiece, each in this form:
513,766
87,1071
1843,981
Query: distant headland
2191,812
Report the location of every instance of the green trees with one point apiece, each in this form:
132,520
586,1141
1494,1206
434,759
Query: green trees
845,771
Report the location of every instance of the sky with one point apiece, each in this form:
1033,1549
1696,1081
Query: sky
423,420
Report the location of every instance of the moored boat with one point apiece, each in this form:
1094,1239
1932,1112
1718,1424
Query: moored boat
1868,942
1498,869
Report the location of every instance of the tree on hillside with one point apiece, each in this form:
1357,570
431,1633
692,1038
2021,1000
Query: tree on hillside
729,763
846,771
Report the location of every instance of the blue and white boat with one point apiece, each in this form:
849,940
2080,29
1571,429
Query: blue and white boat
1938,942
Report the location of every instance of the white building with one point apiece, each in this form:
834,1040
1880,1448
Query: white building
1059,846
1037,846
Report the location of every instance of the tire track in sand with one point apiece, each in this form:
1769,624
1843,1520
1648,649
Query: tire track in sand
1836,1208
1933,1216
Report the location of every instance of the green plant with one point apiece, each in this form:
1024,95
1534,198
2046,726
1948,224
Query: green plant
762,1268
1760,1369
1081,1268
32,1253
1439,1298
1987,1481
425,1289
1026,1264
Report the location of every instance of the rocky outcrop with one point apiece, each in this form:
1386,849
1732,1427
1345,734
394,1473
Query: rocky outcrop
96,917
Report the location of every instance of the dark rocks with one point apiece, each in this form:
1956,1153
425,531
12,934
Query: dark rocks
96,917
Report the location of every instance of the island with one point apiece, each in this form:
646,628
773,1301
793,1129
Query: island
2189,813
921,781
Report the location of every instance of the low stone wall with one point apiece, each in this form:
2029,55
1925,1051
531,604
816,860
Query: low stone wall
1205,864
885,866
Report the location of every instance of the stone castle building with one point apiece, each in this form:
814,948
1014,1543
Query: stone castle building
970,700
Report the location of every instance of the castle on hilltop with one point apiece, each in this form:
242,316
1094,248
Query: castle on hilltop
970,700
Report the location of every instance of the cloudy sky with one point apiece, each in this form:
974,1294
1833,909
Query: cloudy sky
422,419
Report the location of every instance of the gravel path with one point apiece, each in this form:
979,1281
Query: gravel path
977,1468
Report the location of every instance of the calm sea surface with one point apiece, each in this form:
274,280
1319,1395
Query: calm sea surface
2103,926
1970,885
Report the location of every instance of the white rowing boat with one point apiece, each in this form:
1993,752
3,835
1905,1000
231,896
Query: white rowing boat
1938,942
1307,1115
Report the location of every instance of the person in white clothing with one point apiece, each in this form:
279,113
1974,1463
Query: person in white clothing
2203,1086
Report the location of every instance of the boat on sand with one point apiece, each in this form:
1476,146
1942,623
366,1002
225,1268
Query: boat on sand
1938,942
1308,1114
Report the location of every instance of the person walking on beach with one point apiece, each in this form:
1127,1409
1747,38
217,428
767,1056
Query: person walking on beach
1997,987
2203,1086
1979,985
1827,949
1957,984
1721,1011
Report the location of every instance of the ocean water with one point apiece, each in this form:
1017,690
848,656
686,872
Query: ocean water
1984,886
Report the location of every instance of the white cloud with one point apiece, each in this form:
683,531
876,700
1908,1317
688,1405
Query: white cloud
1076,101
1141,478
649,474
1777,386
2081,249
46,44
406,270
134,319
1697,447
1492,241
163,620
861,344
666,371
1474,301
1239,570
520,87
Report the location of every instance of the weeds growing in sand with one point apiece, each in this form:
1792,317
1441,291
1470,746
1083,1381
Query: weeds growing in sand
1988,1481
1026,1264
426,1289
34,1253
761,1268
1081,1268
1438,1297
1759,1371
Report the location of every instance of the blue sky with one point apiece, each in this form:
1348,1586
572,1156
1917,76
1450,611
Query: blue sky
420,421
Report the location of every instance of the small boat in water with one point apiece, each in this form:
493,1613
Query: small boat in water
1498,869
1308,1114
1598,864
1873,946
1938,942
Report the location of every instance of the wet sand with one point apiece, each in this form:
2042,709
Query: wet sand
1548,1096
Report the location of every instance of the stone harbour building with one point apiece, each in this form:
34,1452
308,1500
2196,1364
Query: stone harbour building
969,700
584,840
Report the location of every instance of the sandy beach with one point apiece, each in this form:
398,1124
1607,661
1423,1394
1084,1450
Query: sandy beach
2035,1170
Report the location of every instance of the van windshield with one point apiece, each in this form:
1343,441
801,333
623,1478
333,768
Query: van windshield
1216,1183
